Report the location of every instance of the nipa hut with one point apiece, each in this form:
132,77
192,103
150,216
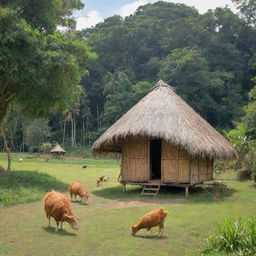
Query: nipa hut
163,141
58,151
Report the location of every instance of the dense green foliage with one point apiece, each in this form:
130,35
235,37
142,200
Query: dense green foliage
243,139
236,236
40,69
209,58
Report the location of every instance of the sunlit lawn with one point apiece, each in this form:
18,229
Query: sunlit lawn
106,220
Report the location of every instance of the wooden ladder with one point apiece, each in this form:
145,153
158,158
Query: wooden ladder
150,190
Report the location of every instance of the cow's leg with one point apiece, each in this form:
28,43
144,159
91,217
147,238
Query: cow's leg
149,229
49,220
57,224
71,195
61,225
161,229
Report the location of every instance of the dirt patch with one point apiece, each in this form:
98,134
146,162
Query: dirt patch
144,202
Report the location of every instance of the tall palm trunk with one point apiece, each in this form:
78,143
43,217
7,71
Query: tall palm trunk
8,151
64,130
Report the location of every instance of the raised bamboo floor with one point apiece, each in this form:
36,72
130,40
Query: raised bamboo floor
158,183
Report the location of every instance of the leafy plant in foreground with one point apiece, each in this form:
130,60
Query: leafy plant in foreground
235,236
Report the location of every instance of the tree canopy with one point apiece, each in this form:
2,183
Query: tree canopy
40,69
209,58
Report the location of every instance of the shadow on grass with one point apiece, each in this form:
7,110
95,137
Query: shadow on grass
117,193
27,186
197,194
78,202
62,232
206,194
153,237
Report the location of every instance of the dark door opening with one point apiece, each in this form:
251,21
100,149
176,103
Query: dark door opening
155,159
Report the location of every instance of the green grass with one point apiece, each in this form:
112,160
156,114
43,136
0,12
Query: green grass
106,223
27,186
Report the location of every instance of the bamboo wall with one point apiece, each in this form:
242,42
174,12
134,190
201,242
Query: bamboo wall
176,165
135,160
179,167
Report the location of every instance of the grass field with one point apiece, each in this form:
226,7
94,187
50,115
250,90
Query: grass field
106,220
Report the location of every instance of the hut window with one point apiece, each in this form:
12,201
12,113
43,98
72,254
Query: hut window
155,159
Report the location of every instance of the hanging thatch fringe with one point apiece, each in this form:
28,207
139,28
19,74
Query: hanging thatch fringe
163,114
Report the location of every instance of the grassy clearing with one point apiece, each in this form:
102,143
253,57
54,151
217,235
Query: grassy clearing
106,220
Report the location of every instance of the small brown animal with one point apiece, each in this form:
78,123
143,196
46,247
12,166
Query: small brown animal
84,166
99,180
151,219
105,178
58,206
75,188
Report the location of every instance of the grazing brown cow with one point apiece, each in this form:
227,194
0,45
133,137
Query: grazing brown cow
84,166
99,180
151,219
58,206
105,178
75,188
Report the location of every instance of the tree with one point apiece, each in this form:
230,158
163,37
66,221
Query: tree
188,71
36,133
250,115
45,15
247,9
38,70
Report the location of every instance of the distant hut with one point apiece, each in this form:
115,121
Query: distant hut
58,151
163,141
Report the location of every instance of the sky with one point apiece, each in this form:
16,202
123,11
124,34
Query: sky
96,11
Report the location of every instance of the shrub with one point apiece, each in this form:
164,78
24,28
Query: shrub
244,174
236,236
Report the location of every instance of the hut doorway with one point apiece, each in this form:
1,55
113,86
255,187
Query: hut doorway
155,159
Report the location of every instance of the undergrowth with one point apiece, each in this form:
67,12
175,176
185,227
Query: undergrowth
237,236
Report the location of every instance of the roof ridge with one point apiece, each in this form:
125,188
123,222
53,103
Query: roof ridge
161,83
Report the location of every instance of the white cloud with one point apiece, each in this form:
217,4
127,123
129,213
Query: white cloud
89,20
204,5
201,5
128,9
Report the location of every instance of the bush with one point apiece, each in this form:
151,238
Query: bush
237,236
244,174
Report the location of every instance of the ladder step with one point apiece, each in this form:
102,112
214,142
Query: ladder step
153,189
148,194
150,190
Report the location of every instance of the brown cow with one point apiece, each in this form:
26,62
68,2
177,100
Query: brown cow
151,219
75,188
99,180
58,206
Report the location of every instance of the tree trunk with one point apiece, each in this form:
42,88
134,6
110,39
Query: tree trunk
8,151
64,130
87,126
83,134
98,121
74,133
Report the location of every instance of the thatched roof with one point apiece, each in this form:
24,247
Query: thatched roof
164,115
58,149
